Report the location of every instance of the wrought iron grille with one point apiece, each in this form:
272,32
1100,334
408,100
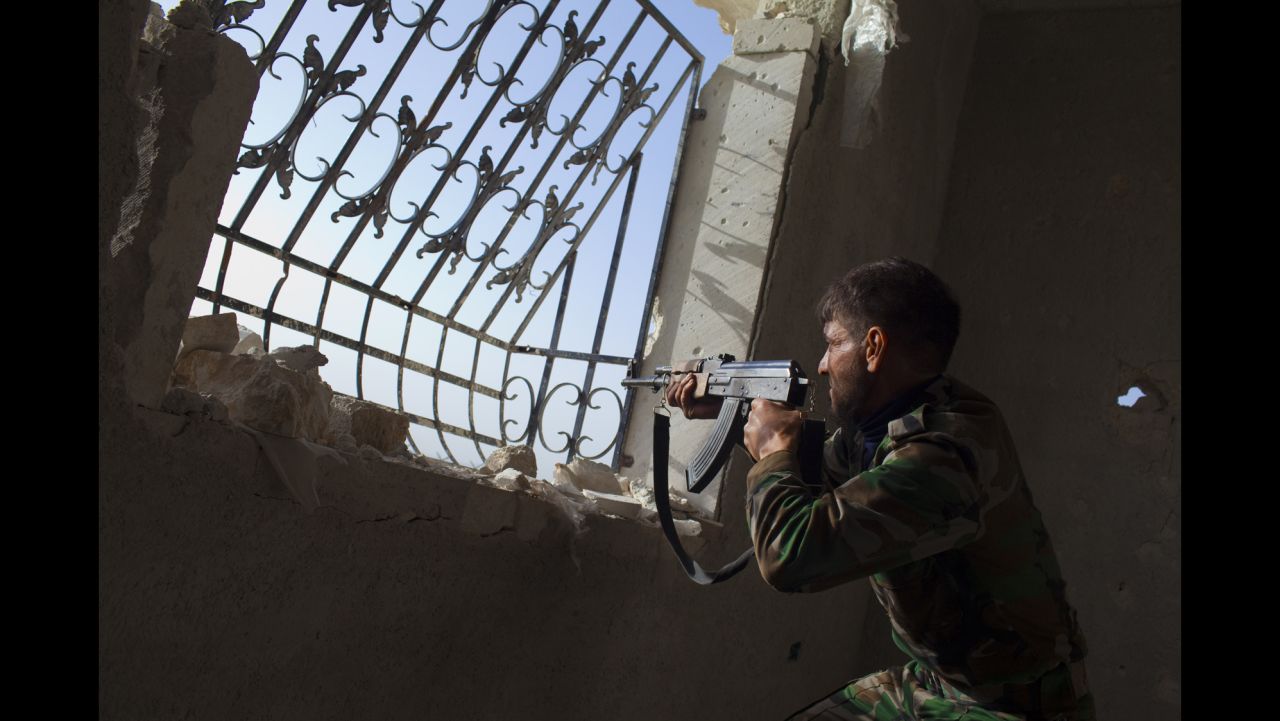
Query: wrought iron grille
489,139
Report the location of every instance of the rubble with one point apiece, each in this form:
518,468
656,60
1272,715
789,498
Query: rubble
303,359
521,458
184,402
366,423
508,479
589,475
209,332
250,343
259,393
618,505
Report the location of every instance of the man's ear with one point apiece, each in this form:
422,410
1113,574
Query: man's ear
874,346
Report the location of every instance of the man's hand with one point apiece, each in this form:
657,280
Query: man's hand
680,395
770,428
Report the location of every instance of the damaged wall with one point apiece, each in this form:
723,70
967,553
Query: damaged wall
1062,239
409,594
403,591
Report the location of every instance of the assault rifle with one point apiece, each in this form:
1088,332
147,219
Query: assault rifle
738,383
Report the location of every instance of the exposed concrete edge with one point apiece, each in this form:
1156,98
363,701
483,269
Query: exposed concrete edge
811,97
414,492
782,35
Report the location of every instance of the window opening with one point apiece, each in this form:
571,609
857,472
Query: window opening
450,200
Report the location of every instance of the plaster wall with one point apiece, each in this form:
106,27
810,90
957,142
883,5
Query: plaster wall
846,206
1062,239
730,188
410,594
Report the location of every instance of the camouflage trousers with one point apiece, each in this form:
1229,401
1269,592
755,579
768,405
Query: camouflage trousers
913,693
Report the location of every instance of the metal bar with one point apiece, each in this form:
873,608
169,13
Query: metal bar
594,157
541,398
445,427
570,354
546,165
663,229
328,335
672,32
435,395
333,172
465,145
586,228
352,283
404,159
554,155
282,30
287,140
605,302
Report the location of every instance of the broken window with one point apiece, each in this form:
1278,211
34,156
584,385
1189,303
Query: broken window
450,202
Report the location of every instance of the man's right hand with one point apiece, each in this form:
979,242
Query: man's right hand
680,395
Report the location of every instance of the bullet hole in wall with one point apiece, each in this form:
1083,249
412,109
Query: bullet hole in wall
1131,397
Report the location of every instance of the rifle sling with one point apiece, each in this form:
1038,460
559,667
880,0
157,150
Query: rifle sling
661,451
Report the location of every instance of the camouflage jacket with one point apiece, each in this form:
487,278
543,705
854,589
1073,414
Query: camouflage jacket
944,525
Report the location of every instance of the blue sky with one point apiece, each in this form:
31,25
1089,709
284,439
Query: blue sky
252,276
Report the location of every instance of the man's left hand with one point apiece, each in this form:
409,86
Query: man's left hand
770,428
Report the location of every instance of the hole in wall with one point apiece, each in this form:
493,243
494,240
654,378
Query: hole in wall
1130,398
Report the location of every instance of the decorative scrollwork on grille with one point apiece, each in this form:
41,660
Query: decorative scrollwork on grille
513,150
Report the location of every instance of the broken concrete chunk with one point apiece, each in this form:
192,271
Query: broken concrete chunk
589,475
210,332
259,393
508,479
641,489
552,494
687,527
367,423
250,343
618,505
302,358
521,458
563,479
369,453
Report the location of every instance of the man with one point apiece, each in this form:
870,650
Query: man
923,493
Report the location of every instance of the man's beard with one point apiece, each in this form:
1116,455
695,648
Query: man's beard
849,401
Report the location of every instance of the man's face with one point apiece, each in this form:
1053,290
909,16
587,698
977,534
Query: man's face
845,366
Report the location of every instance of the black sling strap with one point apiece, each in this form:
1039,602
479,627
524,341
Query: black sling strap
661,451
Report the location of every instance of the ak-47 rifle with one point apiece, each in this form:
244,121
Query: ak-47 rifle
738,382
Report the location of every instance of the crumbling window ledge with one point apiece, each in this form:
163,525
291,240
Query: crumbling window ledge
367,487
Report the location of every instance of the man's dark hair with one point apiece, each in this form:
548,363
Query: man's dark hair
903,297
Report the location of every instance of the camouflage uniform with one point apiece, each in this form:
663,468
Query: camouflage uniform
943,523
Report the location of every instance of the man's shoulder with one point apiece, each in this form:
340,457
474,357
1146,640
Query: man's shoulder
949,407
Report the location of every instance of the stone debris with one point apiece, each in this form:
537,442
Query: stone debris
563,479
521,458
574,511
618,505
302,358
589,475
369,453
184,402
259,392
508,479
250,343
366,423
209,332
641,489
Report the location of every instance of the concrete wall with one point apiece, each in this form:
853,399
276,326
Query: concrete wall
410,594
729,194
407,593
846,206
1062,238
